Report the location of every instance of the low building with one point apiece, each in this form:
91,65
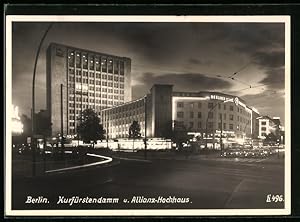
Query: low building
156,107
208,114
268,125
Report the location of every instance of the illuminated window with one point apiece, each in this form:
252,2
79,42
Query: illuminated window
97,63
71,58
104,64
84,61
191,105
92,63
110,65
78,60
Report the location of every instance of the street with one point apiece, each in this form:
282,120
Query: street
207,183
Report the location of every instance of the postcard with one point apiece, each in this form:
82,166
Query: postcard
147,115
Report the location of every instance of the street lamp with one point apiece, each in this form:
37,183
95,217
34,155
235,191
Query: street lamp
229,100
145,125
33,99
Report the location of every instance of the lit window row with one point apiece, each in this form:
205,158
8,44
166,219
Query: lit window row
95,62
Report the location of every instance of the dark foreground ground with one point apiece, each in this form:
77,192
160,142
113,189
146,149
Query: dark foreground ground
200,182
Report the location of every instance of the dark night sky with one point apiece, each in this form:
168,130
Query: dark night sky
192,56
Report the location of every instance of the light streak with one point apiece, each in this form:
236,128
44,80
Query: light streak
107,160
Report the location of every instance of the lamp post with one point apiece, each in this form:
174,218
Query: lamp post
107,125
33,100
221,141
61,116
145,141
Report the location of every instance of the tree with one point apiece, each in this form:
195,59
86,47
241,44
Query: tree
271,138
134,131
90,128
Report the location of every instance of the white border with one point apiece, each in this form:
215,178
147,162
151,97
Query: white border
135,212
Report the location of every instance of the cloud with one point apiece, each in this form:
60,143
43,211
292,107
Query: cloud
193,82
269,103
275,78
194,61
255,36
269,59
187,48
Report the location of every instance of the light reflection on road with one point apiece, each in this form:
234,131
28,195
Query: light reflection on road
106,160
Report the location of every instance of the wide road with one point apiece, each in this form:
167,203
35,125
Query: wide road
209,184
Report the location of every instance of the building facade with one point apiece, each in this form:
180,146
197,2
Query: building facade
268,125
155,107
78,79
207,114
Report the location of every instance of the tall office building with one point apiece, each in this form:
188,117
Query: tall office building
78,79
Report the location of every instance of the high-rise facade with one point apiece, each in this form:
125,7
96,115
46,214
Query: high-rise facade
78,79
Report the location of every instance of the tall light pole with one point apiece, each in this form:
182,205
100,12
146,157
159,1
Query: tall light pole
145,101
33,98
221,141
62,116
